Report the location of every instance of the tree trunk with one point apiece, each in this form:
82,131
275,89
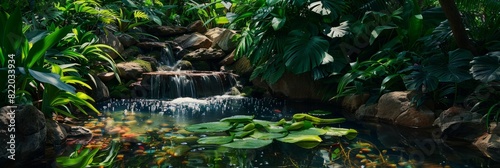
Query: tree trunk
457,27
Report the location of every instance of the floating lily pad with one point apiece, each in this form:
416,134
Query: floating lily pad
248,143
348,133
242,134
263,123
276,129
267,135
238,118
307,144
215,140
309,131
294,138
319,112
209,127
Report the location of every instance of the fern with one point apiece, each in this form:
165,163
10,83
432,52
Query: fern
140,15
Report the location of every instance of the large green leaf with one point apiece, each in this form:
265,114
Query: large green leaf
278,23
417,79
333,8
377,31
310,131
215,140
248,143
348,133
11,32
294,138
49,78
39,48
267,135
304,52
486,68
456,69
209,127
339,31
238,118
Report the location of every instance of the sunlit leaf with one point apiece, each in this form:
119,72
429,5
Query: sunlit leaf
209,127
348,133
267,135
294,138
215,140
339,31
238,118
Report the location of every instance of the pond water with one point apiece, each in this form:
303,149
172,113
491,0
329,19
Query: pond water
151,134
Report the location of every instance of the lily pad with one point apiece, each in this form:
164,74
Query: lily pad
242,134
310,131
267,135
348,133
248,143
307,144
263,123
294,138
238,118
319,113
276,129
209,127
215,140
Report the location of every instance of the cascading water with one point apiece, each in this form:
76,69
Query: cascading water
170,83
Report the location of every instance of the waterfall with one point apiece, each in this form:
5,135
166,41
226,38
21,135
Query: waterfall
195,84
167,58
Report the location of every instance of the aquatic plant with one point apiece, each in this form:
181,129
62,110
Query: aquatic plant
245,132
90,157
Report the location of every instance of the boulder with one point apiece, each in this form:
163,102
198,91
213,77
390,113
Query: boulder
151,60
30,134
151,45
416,117
396,108
167,31
242,66
352,102
127,40
214,33
204,54
197,26
99,90
201,66
225,41
366,112
460,124
130,70
489,145
229,59
112,41
131,52
184,65
56,135
195,41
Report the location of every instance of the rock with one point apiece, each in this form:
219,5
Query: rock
229,59
396,108
127,40
196,41
99,90
184,65
79,131
180,39
391,105
201,65
151,60
167,31
131,52
225,41
204,54
234,91
214,33
366,112
352,102
416,118
56,135
151,45
106,76
461,124
30,134
489,145
112,41
241,66
197,26
130,70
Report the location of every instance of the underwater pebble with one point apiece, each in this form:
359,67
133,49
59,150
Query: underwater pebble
149,122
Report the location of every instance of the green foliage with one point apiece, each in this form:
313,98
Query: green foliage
249,133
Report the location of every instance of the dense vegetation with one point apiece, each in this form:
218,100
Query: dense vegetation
444,50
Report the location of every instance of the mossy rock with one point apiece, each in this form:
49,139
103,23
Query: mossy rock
144,64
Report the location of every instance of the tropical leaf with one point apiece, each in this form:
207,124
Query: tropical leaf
486,68
333,8
455,70
339,31
49,78
304,52
422,81
348,133
278,23
39,48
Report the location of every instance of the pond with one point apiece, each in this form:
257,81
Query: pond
151,133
